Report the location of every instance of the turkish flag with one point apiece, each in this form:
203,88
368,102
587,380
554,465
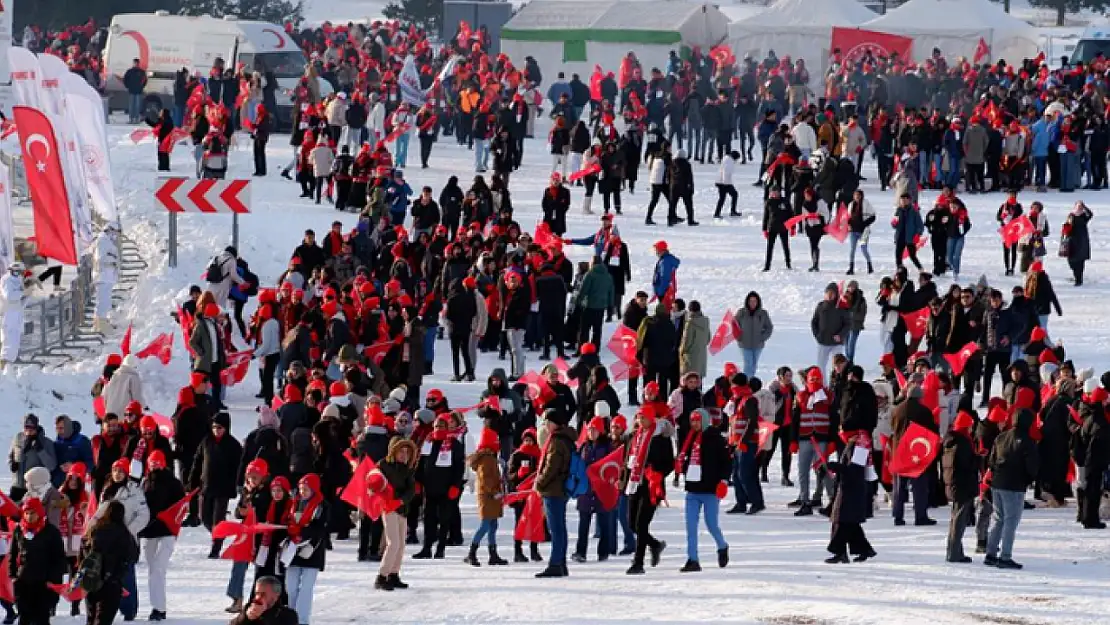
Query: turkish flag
886,476
605,478
7,589
766,430
539,391
544,237
47,186
564,372
90,509
1016,230
161,346
69,592
531,525
728,331
140,134
241,548
982,51
586,171
623,344
238,363
522,491
959,360
165,424
838,229
792,223
173,516
397,132
125,344
99,407
624,371
355,494
186,321
377,351
916,322
8,507
918,243
856,41
916,451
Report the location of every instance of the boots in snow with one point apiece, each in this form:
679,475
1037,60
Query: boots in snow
586,205
691,566
382,583
851,269
870,269
518,552
722,557
235,607
536,557
395,581
472,557
494,559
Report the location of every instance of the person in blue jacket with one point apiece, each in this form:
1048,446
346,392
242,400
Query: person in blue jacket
70,446
664,282
1042,141
600,239
908,229
397,195
953,145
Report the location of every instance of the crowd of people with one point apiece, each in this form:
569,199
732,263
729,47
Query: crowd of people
348,437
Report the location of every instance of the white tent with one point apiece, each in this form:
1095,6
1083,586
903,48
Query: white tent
572,37
801,29
955,27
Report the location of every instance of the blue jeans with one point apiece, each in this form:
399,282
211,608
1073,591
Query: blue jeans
607,532
481,154
923,167
902,487
745,479
134,106
695,503
430,335
751,360
954,173
955,251
299,585
178,115
1043,319
129,605
401,150
488,527
853,240
555,509
1015,352
938,158
850,345
1067,165
1008,507
237,579
621,515
1039,165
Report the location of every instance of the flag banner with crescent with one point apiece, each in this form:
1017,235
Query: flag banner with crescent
54,71
47,185
175,515
915,452
605,479
7,230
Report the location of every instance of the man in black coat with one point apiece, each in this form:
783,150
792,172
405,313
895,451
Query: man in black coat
265,607
1014,464
682,188
441,473
961,482
213,472
656,343
1092,457
551,292
776,212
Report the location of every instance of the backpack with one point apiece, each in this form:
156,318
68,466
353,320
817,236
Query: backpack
577,483
214,274
249,276
90,574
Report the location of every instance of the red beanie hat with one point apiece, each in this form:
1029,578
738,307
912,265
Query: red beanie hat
292,393
156,460
489,440
197,378
1038,334
258,466
588,348
134,408
114,360
123,464
619,421
963,422
1047,355
337,389
731,369
329,308
147,423
598,423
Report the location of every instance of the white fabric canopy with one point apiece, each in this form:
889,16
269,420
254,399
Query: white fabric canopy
801,29
955,27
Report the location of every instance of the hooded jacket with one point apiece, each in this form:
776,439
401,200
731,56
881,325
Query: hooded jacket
755,325
1013,460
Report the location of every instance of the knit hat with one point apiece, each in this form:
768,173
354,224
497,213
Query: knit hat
30,421
488,439
425,416
222,419
620,422
391,406
133,407
556,416
156,461
259,467
703,417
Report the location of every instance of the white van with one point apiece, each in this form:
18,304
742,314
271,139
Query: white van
164,44
1094,39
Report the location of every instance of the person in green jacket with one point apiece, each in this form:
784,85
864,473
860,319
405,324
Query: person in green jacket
595,295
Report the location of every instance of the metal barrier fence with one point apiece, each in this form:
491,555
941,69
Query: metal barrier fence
54,324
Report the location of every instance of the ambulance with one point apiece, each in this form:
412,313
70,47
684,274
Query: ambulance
165,43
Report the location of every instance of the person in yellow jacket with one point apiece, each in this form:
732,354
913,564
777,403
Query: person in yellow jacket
469,99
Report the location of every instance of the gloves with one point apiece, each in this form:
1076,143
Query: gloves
722,490
453,493
794,447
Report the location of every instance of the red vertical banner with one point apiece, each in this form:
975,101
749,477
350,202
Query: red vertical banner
47,186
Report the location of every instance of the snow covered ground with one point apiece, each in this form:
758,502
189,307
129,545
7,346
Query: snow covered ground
776,575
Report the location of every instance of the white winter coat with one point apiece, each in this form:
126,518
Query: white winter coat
229,270
271,338
11,292
804,137
883,427
321,158
724,174
125,387
106,257
136,515
337,112
376,120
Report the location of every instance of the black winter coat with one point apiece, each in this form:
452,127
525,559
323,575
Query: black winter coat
215,466
117,549
659,338
960,467
269,445
555,207
716,462
1013,461
853,495
438,480
162,490
41,558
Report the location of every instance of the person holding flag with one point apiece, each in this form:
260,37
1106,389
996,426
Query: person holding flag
399,470
594,449
649,459
162,490
110,539
907,415
554,466
664,281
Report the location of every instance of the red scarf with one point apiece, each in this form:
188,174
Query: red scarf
277,516
693,439
303,516
30,530
639,447
76,511
140,449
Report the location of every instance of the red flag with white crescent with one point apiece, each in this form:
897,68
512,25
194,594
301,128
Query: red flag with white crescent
728,331
47,186
916,322
916,450
175,515
959,360
605,478
161,347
